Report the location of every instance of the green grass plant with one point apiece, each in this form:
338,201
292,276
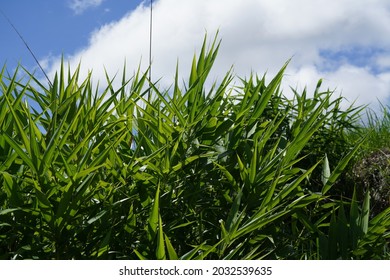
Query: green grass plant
192,172
377,126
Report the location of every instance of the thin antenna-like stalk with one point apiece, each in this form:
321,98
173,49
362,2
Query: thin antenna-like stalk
150,50
28,48
150,40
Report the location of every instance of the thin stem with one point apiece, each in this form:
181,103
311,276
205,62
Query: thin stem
150,42
27,46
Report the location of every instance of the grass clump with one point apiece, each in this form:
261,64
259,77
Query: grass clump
195,172
370,170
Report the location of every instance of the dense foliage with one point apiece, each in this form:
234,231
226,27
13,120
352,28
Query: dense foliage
193,172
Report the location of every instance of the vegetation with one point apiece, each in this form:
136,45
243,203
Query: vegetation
193,172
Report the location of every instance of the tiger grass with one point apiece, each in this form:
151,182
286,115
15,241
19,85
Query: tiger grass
193,172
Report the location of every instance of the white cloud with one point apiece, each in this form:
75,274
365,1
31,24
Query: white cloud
79,6
383,61
356,84
257,35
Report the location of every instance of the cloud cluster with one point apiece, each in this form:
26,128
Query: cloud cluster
79,6
344,42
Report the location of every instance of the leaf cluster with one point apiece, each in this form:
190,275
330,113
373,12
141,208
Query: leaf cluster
198,171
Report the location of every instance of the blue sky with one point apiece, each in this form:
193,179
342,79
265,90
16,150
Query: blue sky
53,26
344,42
